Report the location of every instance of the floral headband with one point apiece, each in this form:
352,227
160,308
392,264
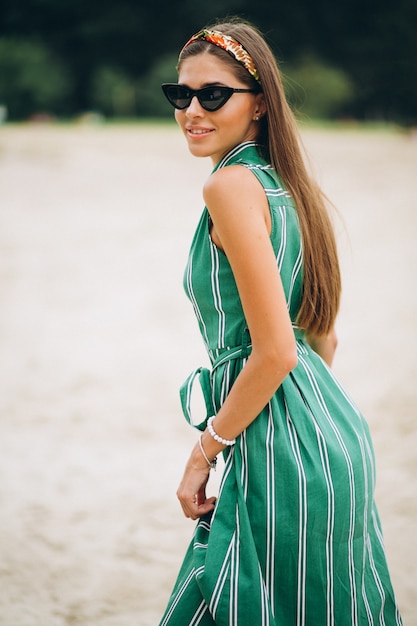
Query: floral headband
230,45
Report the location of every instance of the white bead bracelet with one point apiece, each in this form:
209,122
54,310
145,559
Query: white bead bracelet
224,442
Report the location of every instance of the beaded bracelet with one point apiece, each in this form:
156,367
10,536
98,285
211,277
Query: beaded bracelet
212,464
224,442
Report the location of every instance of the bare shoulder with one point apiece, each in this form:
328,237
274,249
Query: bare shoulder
234,187
232,180
238,207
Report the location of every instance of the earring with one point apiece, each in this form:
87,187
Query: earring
256,118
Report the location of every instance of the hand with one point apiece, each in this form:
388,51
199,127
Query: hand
192,490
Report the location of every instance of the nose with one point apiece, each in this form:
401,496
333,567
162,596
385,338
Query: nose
194,109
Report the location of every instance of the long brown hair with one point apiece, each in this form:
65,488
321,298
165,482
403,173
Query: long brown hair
279,135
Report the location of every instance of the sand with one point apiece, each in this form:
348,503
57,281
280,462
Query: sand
96,336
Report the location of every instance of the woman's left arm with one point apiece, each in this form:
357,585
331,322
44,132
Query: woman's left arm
324,345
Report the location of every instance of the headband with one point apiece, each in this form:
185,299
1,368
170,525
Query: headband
231,46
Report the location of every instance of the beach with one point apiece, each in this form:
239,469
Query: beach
96,337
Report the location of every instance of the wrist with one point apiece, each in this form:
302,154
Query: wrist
197,459
216,436
211,463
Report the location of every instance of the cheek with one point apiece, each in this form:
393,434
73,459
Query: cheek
239,117
179,117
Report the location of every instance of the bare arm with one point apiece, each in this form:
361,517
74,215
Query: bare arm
325,346
240,214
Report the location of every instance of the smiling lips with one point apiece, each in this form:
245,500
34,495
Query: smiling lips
198,132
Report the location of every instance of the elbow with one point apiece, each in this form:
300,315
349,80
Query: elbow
289,357
281,363
291,360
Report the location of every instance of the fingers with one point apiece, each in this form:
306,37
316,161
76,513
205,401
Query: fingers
193,508
192,491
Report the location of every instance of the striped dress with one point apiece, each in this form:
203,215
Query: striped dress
295,538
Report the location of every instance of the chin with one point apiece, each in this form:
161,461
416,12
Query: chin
199,151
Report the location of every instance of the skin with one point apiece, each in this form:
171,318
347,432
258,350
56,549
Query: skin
324,346
241,228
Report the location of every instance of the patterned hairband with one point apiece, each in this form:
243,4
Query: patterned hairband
230,45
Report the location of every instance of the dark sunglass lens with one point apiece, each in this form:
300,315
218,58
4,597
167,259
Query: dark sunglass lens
212,98
178,96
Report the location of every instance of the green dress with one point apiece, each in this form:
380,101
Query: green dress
295,538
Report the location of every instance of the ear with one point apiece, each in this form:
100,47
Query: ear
260,107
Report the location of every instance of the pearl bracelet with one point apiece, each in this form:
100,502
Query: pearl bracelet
224,442
212,464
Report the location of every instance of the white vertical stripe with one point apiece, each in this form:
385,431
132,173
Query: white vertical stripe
296,270
270,510
378,582
194,300
224,570
199,614
302,522
349,465
244,470
234,577
365,533
283,238
330,524
217,298
221,580
264,600
228,467
371,462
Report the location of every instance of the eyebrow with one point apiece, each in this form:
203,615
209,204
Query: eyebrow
214,84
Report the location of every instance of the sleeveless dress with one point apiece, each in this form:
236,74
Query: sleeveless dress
295,538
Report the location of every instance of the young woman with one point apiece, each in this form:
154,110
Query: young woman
294,536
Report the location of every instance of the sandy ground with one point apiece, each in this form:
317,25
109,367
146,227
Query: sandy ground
96,337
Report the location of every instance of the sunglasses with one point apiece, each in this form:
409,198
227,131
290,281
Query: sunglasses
210,98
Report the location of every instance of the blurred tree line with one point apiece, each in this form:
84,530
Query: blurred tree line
355,59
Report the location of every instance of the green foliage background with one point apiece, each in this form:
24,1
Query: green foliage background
356,59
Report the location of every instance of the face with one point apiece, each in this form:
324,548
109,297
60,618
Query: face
215,133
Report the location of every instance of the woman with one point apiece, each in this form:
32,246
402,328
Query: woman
294,536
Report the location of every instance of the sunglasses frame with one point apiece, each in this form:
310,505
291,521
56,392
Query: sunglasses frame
199,92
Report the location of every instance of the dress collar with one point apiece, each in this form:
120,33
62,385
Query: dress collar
234,152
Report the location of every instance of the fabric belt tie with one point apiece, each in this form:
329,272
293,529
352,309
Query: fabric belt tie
204,376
